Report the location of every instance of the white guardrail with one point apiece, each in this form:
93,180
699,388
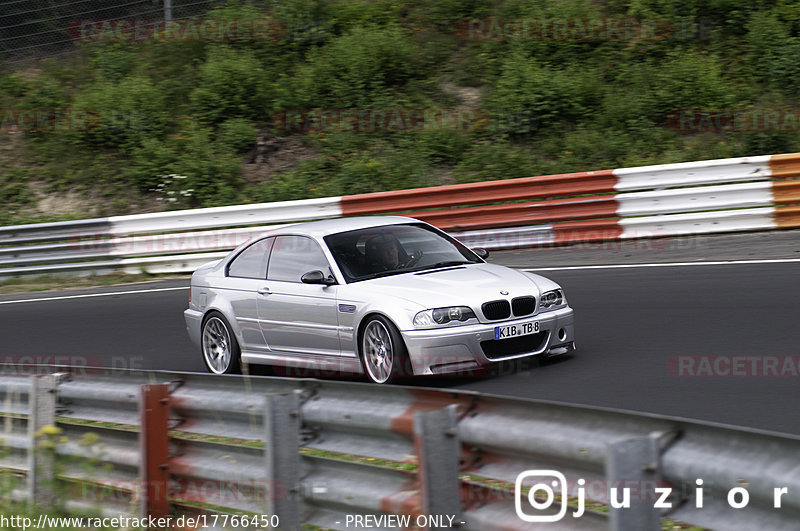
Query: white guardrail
294,451
753,193
147,242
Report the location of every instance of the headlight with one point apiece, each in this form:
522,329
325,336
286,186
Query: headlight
550,300
440,316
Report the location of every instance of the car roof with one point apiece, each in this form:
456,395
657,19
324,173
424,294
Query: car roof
318,229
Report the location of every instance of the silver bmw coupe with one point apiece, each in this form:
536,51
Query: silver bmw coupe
382,296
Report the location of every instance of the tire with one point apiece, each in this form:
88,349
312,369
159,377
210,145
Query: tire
384,356
218,344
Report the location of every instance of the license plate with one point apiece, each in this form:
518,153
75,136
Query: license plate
516,330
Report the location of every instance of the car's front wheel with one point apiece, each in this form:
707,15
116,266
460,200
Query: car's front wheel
383,352
220,349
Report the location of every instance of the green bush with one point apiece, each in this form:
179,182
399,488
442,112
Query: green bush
349,14
438,147
361,69
238,133
46,93
211,168
113,61
121,115
542,46
527,87
352,163
644,93
14,187
217,98
692,80
306,23
12,86
774,52
446,14
768,142
148,162
488,160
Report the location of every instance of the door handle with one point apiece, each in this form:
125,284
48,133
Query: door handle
264,291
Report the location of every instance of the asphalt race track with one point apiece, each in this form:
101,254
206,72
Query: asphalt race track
717,342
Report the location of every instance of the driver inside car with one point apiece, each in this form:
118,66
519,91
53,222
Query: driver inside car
384,253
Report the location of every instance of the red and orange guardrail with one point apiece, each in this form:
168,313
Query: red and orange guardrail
682,199
592,205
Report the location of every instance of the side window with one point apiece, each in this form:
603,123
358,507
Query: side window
294,256
252,262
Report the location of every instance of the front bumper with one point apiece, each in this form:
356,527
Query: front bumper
459,349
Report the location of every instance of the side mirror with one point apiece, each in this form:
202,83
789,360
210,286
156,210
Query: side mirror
317,277
481,252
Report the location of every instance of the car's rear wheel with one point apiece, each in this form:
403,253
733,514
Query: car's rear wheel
220,349
383,352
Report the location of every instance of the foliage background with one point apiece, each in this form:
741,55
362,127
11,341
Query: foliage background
205,111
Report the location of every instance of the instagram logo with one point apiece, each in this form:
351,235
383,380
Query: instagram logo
541,489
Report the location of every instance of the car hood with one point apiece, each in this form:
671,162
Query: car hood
470,285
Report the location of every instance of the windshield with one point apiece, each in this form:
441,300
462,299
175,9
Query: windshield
392,249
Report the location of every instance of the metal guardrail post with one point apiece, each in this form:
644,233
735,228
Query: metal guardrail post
635,464
154,449
41,460
282,456
438,448
168,10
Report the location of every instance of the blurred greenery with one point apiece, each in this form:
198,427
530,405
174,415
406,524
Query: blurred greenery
154,110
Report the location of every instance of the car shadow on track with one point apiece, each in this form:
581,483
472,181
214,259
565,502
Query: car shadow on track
295,372
500,369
